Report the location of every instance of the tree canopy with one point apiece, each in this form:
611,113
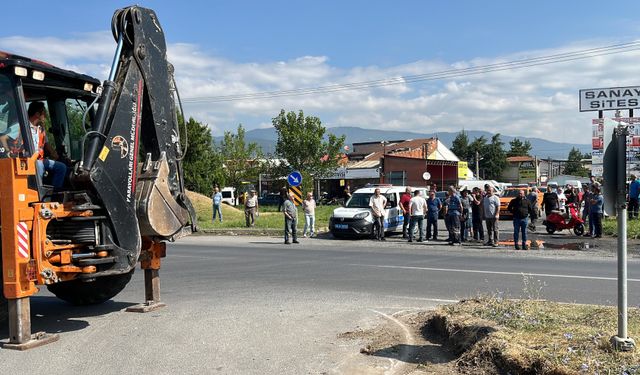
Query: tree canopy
519,148
574,163
306,146
242,161
202,167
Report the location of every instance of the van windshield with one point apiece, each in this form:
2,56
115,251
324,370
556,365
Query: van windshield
361,200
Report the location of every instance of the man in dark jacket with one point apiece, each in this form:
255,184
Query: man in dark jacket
550,201
520,207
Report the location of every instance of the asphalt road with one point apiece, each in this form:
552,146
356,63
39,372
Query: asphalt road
252,305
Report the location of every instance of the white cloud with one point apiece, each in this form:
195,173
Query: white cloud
536,101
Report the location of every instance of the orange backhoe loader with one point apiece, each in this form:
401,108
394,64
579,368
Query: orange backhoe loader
90,175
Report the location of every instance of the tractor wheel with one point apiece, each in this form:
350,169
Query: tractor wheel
551,228
78,292
578,229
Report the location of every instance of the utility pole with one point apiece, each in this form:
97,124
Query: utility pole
477,165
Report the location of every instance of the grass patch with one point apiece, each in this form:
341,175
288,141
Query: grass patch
610,227
269,217
538,337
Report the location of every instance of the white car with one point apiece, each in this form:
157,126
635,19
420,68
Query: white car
355,219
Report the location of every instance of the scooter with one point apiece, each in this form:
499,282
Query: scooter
556,221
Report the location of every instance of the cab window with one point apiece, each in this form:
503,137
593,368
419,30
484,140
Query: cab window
11,144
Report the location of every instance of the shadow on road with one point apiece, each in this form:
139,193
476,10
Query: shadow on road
52,315
417,354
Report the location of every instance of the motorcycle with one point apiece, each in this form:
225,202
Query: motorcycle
557,222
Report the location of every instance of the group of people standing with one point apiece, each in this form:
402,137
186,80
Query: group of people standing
591,200
464,214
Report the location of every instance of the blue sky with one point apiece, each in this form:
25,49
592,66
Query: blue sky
222,48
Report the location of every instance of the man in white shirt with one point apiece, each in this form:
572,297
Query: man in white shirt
377,203
418,210
491,212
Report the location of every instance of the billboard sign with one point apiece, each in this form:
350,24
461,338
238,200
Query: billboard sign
608,99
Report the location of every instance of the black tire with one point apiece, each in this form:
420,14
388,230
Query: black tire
77,292
578,229
551,229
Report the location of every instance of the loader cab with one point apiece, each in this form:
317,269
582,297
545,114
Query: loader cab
68,99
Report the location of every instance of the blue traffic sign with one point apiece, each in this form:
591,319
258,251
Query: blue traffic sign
294,178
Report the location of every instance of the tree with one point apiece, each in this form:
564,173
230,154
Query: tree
302,142
494,158
519,148
574,164
460,146
242,161
201,166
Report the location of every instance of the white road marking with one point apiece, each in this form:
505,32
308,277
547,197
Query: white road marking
493,272
407,353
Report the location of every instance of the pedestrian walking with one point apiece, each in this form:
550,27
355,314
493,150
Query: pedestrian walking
476,214
520,207
251,209
377,203
309,208
454,211
405,206
290,219
491,212
418,208
216,199
434,205
597,211
532,197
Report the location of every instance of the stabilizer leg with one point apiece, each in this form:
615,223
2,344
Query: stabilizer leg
151,266
20,337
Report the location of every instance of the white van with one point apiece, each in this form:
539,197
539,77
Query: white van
470,184
229,196
355,219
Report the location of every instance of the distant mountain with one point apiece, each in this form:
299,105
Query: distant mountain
542,148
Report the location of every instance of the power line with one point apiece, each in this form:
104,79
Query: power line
451,73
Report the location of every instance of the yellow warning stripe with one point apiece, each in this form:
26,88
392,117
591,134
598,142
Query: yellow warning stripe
297,194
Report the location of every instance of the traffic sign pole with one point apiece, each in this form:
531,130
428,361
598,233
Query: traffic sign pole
622,342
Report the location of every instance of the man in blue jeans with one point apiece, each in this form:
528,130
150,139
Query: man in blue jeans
217,202
521,209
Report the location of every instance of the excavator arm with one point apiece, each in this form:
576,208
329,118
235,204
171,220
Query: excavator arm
133,152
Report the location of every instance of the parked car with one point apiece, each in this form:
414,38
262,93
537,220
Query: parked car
355,219
507,195
271,199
